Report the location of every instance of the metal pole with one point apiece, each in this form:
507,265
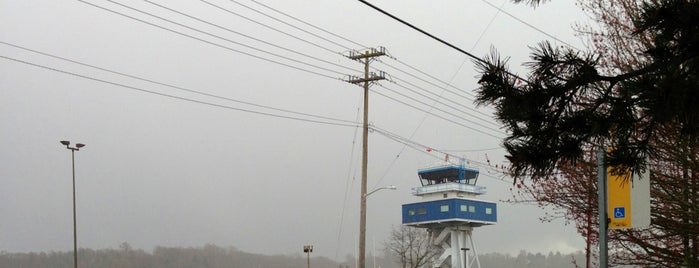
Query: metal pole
602,202
75,229
465,250
365,134
308,249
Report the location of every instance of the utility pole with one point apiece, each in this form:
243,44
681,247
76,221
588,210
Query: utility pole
369,77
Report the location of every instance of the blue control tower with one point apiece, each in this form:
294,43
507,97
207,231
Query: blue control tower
450,210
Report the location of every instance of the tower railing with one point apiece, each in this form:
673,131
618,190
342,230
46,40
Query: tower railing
452,186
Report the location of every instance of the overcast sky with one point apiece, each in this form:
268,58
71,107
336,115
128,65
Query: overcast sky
165,165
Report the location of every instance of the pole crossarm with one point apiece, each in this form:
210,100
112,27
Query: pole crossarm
368,54
353,79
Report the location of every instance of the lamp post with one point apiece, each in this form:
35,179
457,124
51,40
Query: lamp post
362,224
308,249
75,229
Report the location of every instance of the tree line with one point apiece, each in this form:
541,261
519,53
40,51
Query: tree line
212,256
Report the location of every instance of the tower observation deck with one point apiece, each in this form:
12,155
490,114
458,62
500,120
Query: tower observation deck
450,209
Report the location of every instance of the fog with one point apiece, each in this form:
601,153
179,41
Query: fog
166,166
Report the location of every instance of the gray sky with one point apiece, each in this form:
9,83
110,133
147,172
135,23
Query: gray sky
164,171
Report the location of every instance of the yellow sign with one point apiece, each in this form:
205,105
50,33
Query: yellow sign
619,199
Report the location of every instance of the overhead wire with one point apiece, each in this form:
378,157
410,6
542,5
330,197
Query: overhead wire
87,77
529,24
393,91
422,148
444,89
349,182
250,37
440,109
433,114
238,51
308,24
219,45
262,13
170,85
223,38
334,35
158,26
267,26
436,100
474,57
270,27
238,43
276,19
364,46
299,20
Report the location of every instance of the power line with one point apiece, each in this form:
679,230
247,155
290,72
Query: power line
223,38
423,149
225,47
328,32
239,51
341,37
174,96
422,31
472,150
349,175
435,38
436,100
404,81
255,10
260,12
528,24
218,45
435,115
441,110
313,26
173,86
250,37
268,27
444,89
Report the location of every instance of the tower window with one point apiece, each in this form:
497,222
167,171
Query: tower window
444,208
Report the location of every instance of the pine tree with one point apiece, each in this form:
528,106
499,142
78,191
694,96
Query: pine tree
569,101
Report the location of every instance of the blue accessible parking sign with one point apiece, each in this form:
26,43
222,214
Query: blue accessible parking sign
619,212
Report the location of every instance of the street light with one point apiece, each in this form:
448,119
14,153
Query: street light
390,187
308,249
75,229
362,225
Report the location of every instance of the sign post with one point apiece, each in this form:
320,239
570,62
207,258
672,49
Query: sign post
602,205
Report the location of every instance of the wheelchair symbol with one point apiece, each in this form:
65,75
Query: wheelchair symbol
619,212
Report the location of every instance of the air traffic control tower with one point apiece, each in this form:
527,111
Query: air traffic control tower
450,210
